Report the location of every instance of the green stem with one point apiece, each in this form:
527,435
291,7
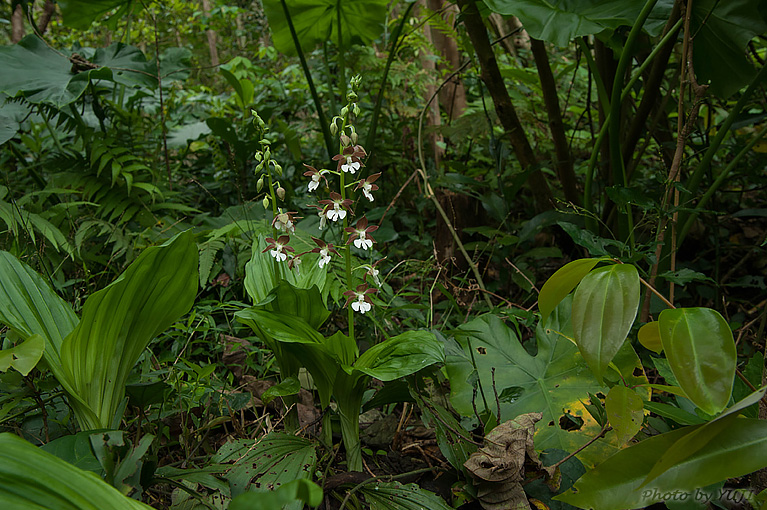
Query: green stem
616,154
393,47
694,181
55,138
349,393
347,245
723,176
341,52
312,89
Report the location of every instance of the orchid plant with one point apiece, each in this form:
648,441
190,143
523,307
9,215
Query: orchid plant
289,285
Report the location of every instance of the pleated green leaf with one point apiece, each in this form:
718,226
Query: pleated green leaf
29,306
32,479
604,308
119,321
616,484
702,355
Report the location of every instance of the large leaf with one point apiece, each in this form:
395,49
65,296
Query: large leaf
44,75
561,283
617,483
559,21
722,30
555,382
32,479
304,303
604,308
402,355
80,14
702,355
395,496
30,307
119,321
268,463
316,21
701,436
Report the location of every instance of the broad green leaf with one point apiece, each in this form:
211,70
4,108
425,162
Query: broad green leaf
402,355
722,32
625,411
559,21
24,356
297,492
288,386
395,496
605,305
267,463
43,75
555,382
119,321
700,437
29,306
316,21
80,14
561,283
616,484
32,479
701,352
649,337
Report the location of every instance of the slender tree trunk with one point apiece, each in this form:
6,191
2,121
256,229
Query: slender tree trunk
507,114
17,24
433,119
211,35
45,18
452,97
564,160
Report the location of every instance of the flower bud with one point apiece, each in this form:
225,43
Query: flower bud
259,167
281,193
344,111
277,167
259,156
356,109
333,128
345,140
351,97
266,203
260,184
354,137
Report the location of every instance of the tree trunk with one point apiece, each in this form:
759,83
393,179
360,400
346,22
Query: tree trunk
17,24
211,35
507,114
564,161
433,119
452,97
45,18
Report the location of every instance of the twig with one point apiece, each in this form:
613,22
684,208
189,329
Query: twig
654,291
607,428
